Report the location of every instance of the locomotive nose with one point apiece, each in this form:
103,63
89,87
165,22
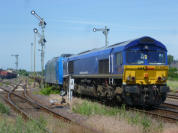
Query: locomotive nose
145,74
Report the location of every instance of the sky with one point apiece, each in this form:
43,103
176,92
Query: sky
70,23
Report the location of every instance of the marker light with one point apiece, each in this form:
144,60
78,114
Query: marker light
146,47
129,78
145,75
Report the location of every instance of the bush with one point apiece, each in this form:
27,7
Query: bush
49,90
23,72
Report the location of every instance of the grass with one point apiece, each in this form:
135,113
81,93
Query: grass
89,108
20,126
133,118
49,90
30,81
10,124
173,74
173,85
4,109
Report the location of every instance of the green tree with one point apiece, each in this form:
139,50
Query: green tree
23,72
170,59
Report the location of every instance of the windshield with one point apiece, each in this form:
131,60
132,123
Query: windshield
135,57
156,57
139,57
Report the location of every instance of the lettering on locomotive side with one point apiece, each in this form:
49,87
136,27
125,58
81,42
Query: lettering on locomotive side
146,68
84,72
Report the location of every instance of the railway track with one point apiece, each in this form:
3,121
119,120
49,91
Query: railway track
173,96
21,110
168,112
162,112
34,106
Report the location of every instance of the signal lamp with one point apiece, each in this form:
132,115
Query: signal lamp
32,12
94,29
35,30
44,40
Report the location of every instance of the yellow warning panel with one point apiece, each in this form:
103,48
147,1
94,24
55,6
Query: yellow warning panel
145,74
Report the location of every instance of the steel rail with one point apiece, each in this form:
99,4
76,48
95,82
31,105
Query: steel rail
48,110
23,113
167,109
44,107
57,114
155,114
172,97
170,104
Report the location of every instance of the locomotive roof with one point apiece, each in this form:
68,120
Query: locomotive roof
127,44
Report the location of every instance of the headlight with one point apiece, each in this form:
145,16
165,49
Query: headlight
133,78
159,78
129,78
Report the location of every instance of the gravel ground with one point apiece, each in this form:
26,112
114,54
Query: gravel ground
63,109
53,124
105,124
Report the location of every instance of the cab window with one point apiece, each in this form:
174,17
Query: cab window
156,57
135,57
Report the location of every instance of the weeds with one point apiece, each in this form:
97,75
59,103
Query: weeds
6,83
89,108
4,109
146,124
173,85
132,117
42,122
19,126
49,90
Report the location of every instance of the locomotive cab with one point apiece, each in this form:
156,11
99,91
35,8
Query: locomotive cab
145,73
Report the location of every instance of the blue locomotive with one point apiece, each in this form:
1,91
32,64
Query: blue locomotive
133,72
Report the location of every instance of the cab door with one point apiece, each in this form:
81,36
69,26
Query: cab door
119,62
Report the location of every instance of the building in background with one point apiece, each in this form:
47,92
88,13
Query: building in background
174,64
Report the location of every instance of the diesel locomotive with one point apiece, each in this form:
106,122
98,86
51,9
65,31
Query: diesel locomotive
133,72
